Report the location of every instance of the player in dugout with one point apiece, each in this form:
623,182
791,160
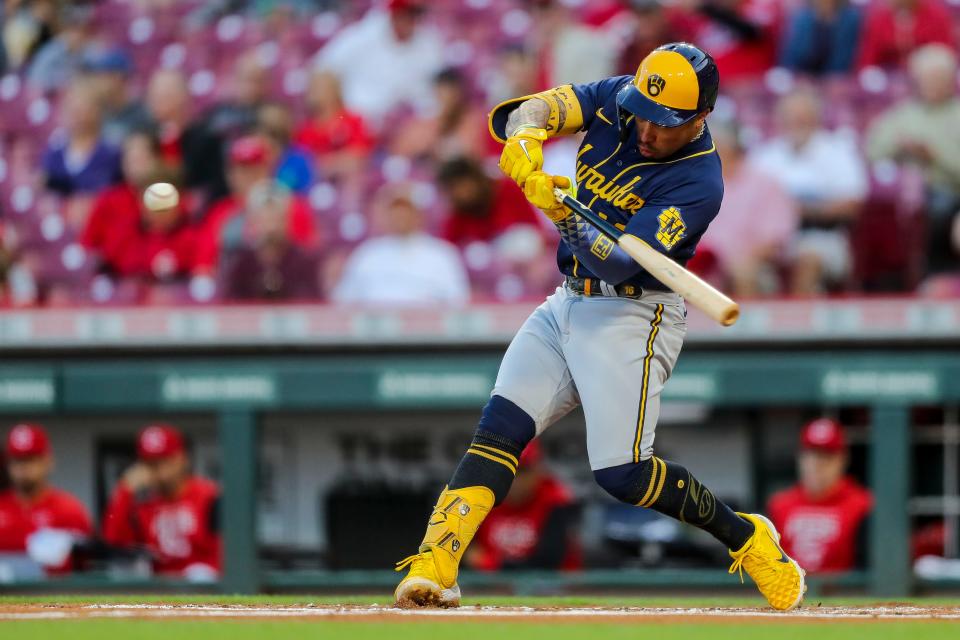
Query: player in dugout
609,336
823,516
160,506
535,525
34,515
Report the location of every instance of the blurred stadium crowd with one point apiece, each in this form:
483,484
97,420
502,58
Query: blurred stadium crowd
337,150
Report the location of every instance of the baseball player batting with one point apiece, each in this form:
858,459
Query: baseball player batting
607,338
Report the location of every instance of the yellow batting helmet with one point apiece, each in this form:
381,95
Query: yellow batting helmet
674,83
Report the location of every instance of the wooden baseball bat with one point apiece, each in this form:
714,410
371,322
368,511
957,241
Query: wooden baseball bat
690,287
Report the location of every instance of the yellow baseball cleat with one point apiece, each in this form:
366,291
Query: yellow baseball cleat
423,586
778,576
432,578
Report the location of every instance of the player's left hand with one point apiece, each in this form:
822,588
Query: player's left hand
138,477
539,191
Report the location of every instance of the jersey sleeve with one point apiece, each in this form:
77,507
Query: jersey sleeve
573,107
76,518
118,526
205,540
592,97
565,117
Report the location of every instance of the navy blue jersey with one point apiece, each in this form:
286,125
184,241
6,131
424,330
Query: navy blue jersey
668,203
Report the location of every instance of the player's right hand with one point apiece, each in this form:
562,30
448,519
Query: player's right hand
523,153
138,477
539,191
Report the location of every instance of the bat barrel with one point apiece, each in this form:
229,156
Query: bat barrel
729,315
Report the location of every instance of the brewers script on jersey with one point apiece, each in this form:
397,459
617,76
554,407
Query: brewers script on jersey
609,336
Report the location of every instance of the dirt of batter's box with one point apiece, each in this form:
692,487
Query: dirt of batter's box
553,615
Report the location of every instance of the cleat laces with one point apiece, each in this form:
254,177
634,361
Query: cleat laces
414,562
763,569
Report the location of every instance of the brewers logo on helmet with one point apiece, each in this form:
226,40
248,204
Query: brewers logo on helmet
673,84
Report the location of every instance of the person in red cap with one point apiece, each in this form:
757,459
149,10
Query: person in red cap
534,527
251,162
822,517
159,505
32,505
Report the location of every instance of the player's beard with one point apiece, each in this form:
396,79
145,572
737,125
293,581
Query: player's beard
478,207
28,488
647,152
170,487
654,154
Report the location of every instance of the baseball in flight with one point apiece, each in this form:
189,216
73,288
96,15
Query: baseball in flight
160,196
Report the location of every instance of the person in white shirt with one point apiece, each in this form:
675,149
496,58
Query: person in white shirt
403,265
824,172
756,223
571,52
385,60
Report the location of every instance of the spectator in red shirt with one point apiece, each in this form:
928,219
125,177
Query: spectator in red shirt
160,506
252,161
339,139
488,219
534,527
34,515
115,229
894,28
481,207
741,35
164,248
822,518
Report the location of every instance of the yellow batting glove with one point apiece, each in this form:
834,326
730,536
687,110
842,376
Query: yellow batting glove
523,153
539,191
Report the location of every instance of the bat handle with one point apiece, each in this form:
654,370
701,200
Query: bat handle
559,194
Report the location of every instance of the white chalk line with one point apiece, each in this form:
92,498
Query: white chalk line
210,611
